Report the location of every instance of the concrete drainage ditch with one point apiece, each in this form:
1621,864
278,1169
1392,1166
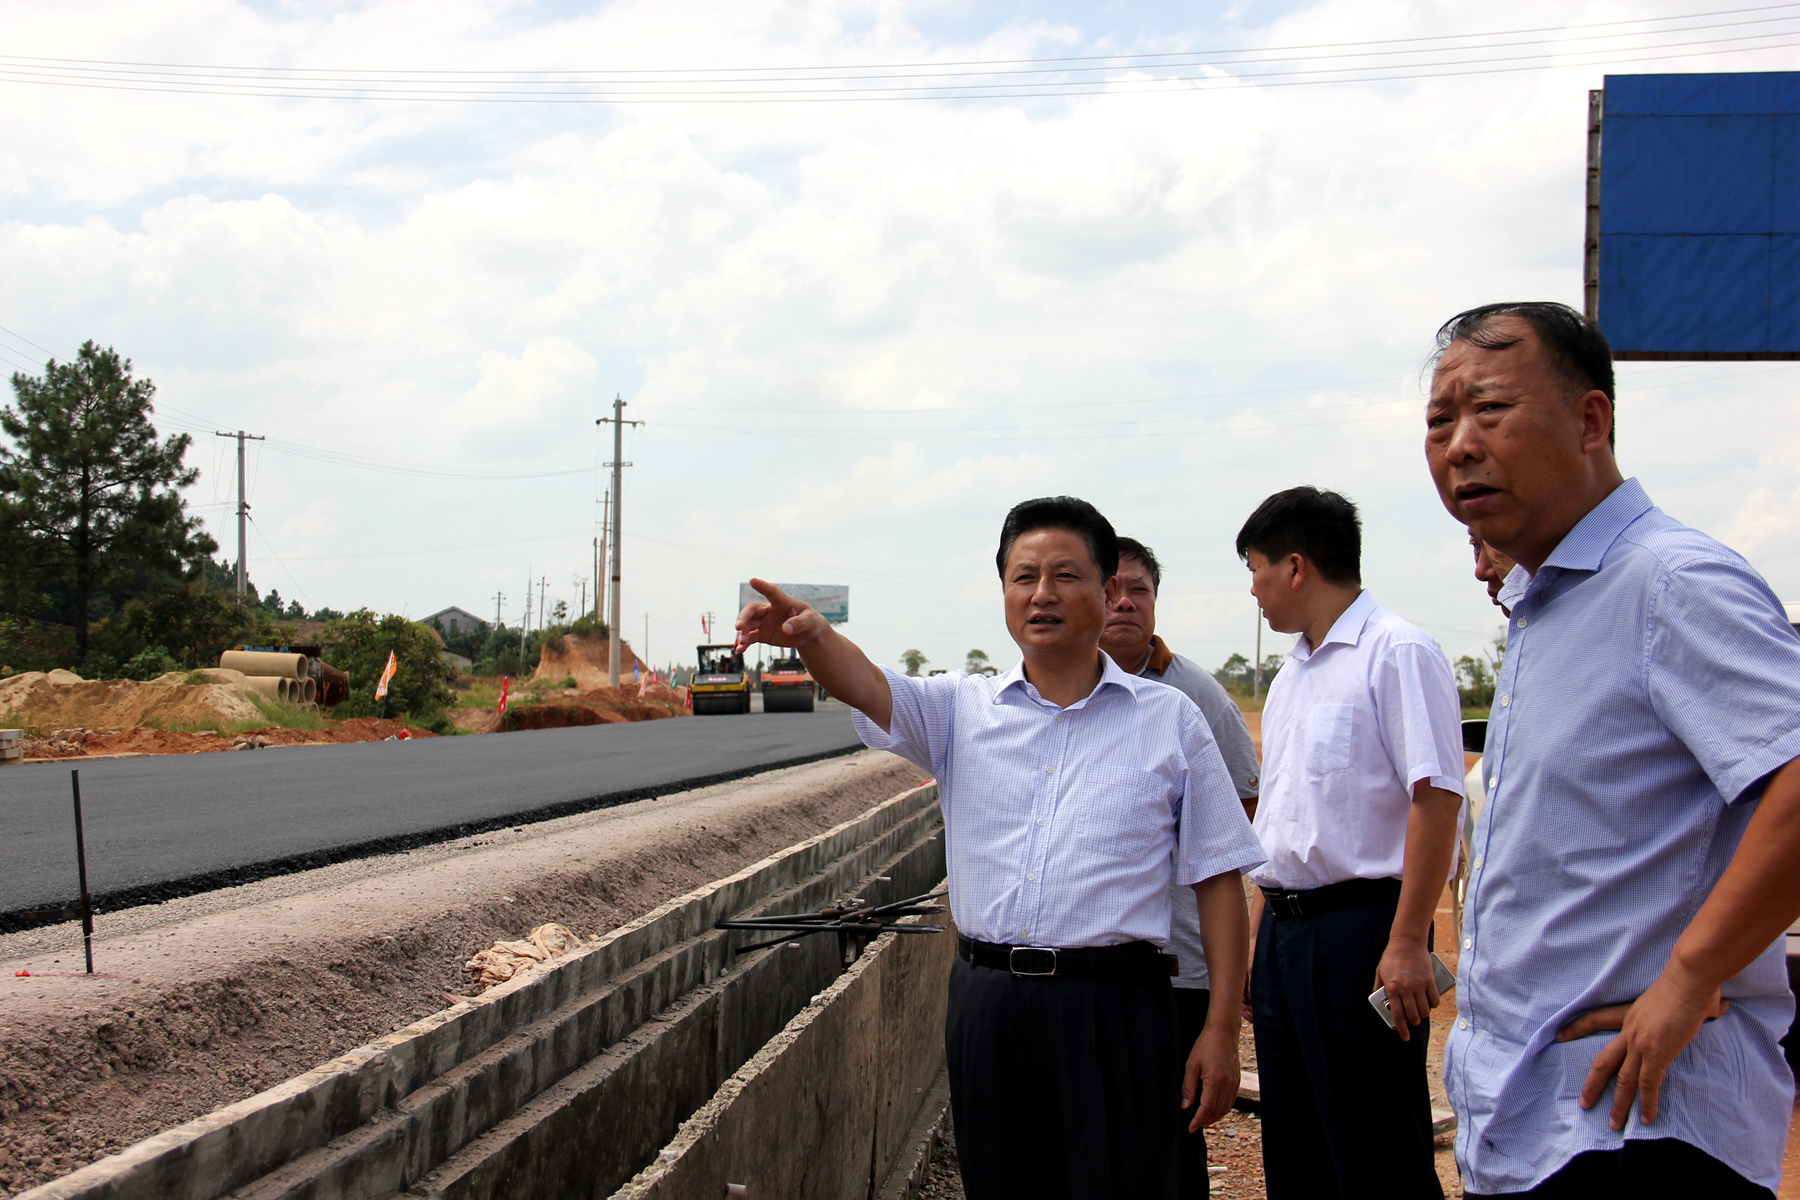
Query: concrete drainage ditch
653,1062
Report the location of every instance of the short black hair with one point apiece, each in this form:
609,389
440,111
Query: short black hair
1322,527
1132,548
1573,345
1061,512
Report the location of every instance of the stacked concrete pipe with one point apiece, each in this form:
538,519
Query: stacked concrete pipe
282,676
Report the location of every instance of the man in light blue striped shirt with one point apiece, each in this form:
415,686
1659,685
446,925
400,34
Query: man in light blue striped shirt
1638,856
1071,792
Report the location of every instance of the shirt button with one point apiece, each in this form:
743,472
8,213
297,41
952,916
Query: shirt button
1493,783
1468,943
1505,700
1476,864
1040,822
1049,770
1523,622
1059,718
1031,878
1462,1022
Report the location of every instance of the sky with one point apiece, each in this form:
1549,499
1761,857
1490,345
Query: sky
858,322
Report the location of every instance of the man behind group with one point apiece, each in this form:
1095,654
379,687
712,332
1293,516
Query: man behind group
1131,640
1069,789
1638,856
1362,782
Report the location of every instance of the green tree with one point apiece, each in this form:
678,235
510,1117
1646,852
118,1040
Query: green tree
359,645
195,624
913,660
87,481
975,661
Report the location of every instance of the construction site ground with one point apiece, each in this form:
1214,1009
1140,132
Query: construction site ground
207,1000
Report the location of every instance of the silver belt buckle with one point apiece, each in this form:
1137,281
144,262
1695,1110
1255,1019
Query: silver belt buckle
1025,969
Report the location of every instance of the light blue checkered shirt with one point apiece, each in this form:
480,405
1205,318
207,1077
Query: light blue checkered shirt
1651,686
1061,824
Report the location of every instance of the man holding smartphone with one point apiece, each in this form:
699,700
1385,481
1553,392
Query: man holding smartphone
1361,788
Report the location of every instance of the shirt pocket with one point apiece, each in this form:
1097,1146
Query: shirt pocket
1329,730
1125,814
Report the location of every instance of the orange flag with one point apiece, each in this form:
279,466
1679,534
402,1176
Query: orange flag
387,673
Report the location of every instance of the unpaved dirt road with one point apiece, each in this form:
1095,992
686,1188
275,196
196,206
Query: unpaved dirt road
212,998
171,826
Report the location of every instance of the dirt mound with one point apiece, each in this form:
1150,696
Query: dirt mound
62,699
475,720
557,716
586,659
87,743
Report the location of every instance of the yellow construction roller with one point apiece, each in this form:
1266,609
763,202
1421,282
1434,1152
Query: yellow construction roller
263,662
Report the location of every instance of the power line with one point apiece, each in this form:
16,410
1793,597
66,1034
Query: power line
1116,60
755,85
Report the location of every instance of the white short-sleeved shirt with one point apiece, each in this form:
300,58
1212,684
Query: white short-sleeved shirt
1062,826
1348,730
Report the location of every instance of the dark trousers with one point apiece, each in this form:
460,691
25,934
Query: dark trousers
1062,1087
1346,1111
1190,1019
1658,1167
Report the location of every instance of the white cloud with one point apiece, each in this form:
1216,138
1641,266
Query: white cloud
858,331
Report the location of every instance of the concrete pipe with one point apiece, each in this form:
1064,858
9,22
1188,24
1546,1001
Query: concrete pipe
268,685
262,662
309,691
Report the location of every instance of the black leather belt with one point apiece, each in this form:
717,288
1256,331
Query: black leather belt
1133,960
1352,893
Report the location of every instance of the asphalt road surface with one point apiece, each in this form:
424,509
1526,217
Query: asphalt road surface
164,826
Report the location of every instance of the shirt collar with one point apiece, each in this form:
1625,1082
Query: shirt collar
1160,655
1111,675
1347,629
1584,546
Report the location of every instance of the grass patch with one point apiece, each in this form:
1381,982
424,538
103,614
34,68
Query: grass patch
286,715
194,678
1470,714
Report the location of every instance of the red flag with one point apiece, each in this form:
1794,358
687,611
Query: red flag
505,682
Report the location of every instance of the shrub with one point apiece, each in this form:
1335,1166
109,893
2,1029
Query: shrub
359,645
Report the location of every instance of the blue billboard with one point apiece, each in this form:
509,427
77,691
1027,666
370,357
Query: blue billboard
1694,233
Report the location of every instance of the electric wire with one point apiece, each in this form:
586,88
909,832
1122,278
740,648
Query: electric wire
1047,77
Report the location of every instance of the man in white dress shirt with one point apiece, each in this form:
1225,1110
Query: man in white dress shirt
1070,790
1131,640
1361,788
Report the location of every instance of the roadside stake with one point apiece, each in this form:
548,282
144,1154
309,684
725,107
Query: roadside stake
87,906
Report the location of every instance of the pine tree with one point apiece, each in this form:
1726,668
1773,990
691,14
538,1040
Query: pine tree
88,483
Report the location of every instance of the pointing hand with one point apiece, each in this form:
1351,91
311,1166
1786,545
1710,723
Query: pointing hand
779,621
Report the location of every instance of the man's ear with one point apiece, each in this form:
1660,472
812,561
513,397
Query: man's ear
1302,571
1112,590
1596,413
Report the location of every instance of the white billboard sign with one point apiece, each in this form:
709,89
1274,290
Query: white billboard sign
832,600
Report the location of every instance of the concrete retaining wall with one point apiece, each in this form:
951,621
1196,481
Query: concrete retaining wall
831,1106
613,1045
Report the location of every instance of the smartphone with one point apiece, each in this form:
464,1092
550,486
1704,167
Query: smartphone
1445,981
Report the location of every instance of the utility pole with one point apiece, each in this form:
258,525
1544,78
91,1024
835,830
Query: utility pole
499,599
583,583
1256,672
243,574
618,464
525,625
542,583
644,650
600,557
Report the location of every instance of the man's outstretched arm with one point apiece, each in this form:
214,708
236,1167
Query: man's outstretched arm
833,659
1753,902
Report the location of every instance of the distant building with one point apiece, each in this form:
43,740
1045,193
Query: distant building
456,620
